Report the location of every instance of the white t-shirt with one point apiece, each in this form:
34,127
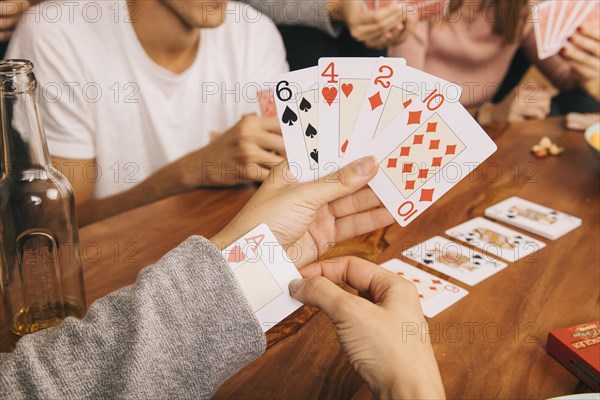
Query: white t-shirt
104,98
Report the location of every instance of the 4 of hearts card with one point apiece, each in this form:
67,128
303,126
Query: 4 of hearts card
263,272
496,239
342,83
456,261
435,294
534,218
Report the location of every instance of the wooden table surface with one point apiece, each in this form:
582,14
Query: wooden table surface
490,344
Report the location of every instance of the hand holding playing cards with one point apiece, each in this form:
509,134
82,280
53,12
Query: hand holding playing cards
376,28
244,153
385,340
584,57
528,101
308,218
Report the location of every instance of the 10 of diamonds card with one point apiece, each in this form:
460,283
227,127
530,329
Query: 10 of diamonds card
263,272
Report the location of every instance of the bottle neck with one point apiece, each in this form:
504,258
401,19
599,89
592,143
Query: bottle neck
23,143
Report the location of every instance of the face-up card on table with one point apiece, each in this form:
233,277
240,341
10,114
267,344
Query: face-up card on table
496,239
423,154
263,272
342,84
435,294
296,96
534,218
456,261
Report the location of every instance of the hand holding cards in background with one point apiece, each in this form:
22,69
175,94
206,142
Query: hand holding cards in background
244,153
376,28
530,100
584,57
386,339
308,218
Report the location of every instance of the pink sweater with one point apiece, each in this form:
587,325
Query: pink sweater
466,51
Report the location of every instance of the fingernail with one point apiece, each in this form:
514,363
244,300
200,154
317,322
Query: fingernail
364,166
579,29
562,50
570,39
294,285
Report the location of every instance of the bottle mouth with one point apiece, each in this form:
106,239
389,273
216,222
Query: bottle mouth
16,77
15,67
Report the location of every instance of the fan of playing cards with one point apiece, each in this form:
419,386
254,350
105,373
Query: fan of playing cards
554,21
424,140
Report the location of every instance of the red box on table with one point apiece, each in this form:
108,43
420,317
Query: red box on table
578,349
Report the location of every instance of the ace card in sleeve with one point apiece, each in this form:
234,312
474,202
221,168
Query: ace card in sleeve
296,96
456,261
263,272
342,86
435,294
496,239
534,218
423,155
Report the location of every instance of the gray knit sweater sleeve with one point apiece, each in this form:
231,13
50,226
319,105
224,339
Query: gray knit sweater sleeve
179,332
313,13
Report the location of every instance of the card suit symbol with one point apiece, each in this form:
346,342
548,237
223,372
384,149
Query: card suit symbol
305,105
329,94
414,117
404,151
315,155
451,149
432,288
236,255
347,88
477,256
416,280
375,101
423,173
431,127
407,168
392,162
407,103
511,216
410,185
427,195
476,263
418,139
436,281
289,117
421,296
345,146
437,162
311,132
434,144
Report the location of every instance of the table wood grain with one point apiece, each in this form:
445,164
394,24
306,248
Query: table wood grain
491,344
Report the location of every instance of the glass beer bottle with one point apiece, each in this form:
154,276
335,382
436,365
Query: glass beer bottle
40,265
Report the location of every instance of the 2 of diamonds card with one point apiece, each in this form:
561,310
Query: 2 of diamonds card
263,272
435,293
452,259
342,83
534,218
496,239
296,96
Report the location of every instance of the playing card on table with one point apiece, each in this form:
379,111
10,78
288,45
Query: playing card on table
435,294
342,83
496,239
423,154
296,96
263,272
534,218
456,261
394,89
